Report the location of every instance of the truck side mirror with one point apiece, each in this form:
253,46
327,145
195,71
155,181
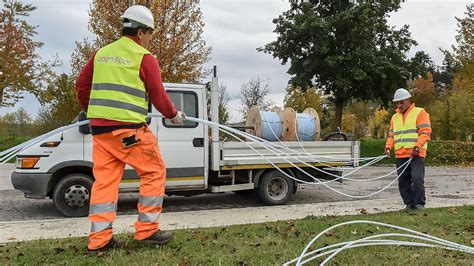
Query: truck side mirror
83,129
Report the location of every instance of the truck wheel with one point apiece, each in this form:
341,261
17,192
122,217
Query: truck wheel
275,188
72,194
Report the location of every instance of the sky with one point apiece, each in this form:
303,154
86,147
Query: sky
234,29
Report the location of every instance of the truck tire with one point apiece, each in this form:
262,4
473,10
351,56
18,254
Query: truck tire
275,188
71,195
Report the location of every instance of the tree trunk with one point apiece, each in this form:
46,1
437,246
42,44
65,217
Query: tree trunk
338,118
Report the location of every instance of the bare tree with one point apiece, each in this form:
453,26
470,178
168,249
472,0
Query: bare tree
255,92
223,99
224,115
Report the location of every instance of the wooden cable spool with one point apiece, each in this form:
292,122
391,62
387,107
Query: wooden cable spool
275,109
254,120
288,118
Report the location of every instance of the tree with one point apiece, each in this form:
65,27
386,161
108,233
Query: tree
443,76
254,92
16,123
362,110
177,40
20,67
299,100
423,91
452,115
379,123
59,101
224,115
347,49
465,38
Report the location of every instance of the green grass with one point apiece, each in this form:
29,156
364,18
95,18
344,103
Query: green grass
267,243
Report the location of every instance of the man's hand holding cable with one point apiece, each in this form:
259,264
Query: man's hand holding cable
387,152
179,118
415,153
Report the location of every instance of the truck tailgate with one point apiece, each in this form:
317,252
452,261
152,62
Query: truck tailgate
331,152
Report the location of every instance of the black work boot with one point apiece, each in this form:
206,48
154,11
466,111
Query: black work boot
419,207
113,244
159,238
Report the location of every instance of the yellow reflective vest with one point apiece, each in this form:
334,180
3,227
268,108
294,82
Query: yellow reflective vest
406,133
117,92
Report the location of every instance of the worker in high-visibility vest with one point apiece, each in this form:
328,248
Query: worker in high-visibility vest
409,133
114,88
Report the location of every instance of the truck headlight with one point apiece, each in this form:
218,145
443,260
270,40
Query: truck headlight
27,162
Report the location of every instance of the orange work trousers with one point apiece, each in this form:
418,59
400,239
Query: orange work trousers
110,157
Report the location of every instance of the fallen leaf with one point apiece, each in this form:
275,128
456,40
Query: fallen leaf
329,234
100,254
202,238
363,211
185,262
12,238
453,210
472,242
470,228
290,228
415,255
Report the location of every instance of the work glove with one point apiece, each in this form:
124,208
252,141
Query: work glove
387,152
415,153
179,118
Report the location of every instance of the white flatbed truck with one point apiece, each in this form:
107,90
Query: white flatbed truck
197,162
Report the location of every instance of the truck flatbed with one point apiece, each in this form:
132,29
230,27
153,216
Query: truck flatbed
238,155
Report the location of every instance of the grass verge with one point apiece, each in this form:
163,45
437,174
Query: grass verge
267,243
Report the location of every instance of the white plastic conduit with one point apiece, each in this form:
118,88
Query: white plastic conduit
368,241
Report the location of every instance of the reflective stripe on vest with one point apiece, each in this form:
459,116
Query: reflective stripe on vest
117,92
406,133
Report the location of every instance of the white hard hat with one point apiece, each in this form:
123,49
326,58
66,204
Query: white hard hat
139,14
401,94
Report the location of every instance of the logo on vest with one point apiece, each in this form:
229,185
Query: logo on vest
114,60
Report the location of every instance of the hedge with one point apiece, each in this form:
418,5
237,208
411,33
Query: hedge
440,152
8,142
445,152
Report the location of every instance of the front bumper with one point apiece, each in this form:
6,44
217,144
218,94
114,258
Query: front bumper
35,186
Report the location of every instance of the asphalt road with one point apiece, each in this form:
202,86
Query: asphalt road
447,182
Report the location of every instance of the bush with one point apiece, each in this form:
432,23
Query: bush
8,142
440,152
